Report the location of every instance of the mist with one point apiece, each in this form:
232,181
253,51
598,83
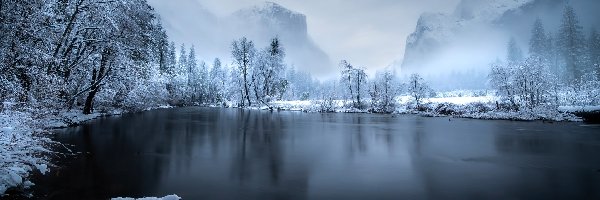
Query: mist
369,34
475,35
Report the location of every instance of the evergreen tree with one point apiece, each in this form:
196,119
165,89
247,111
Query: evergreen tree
273,74
571,45
539,44
594,52
514,53
217,88
182,61
193,87
171,60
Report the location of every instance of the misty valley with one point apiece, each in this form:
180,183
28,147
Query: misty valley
203,99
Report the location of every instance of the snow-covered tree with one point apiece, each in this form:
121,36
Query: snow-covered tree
193,88
539,44
217,83
383,91
360,81
244,55
355,80
418,88
501,78
514,52
594,52
571,45
299,85
272,70
527,84
346,77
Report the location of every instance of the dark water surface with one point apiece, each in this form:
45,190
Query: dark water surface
215,153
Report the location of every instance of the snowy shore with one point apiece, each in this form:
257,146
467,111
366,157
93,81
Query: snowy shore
25,144
475,107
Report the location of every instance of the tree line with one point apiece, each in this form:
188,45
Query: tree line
104,55
557,64
62,53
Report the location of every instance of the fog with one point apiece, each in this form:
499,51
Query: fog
467,40
371,34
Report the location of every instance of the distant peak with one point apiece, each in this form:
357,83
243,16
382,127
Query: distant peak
268,9
270,6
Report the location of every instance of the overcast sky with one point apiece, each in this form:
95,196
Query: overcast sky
368,33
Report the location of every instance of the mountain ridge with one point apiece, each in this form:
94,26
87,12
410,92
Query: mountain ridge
212,35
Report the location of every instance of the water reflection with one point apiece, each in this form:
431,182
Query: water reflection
211,153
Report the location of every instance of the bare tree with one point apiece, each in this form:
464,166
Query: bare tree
243,53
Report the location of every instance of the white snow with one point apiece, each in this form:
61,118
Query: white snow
168,197
462,100
578,108
21,149
460,103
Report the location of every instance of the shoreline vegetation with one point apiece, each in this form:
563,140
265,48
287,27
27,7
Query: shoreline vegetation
27,146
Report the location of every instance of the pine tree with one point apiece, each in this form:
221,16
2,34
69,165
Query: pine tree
346,77
571,45
515,54
171,58
273,79
218,82
594,52
182,61
539,44
192,75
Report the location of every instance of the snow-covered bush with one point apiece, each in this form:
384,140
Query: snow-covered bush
22,149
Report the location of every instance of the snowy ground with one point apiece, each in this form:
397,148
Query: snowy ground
168,197
468,104
22,149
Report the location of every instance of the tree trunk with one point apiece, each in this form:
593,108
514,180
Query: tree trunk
246,89
97,78
88,107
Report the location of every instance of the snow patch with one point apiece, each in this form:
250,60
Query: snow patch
168,197
573,109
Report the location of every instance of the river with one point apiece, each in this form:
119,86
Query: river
219,153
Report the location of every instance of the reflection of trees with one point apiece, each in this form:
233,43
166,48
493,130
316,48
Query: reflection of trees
357,139
112,161
365,133
420,159
259,159
560,153
129,155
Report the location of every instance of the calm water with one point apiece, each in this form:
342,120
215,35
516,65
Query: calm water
212,153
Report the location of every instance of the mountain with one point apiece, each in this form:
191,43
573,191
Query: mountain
477,32
190,23
263,22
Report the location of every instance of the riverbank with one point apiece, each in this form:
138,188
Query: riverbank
25,144
199,147
26,147
483,107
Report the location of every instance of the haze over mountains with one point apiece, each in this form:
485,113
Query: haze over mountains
477,32
465,40
212,35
